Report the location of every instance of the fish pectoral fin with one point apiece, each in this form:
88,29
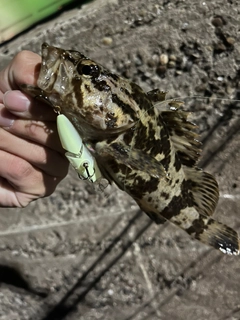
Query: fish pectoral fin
146,163
204,189
180,129
132,158
182,134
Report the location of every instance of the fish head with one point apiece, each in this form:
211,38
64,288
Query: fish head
95,100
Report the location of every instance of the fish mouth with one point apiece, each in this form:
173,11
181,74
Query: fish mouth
49,67
56,70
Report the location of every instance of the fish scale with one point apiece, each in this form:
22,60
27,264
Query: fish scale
143,143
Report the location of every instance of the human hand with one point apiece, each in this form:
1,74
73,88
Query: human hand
32,160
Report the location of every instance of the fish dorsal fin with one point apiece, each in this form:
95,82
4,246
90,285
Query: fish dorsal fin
181,131
204,189
156,95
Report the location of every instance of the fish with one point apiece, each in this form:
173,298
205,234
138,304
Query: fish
141,141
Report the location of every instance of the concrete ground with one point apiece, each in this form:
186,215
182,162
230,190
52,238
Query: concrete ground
78,255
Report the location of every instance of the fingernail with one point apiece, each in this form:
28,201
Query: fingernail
6,118
16,101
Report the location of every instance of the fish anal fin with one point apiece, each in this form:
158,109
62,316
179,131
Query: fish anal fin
204,189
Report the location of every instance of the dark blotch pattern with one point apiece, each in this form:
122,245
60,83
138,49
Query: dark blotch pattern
124,106
142,141
197,228
101,85
177,163
185,199
110,76
87,88
111,120
142,99
128,136
164,195
165,148
141,187
78,94
126,92
119,148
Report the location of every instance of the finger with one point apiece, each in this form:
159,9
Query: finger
6,118
43,133
26,107
21,183
46,159
24,68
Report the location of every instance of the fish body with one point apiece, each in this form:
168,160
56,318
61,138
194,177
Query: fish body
142,142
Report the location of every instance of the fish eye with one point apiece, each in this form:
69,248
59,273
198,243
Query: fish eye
88,69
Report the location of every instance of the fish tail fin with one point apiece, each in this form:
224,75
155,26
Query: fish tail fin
203,228
191,210
205,193
215,234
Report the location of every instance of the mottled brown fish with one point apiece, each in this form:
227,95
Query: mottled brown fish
142,142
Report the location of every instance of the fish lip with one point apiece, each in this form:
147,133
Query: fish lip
56,73
56,70
48,50
51,58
